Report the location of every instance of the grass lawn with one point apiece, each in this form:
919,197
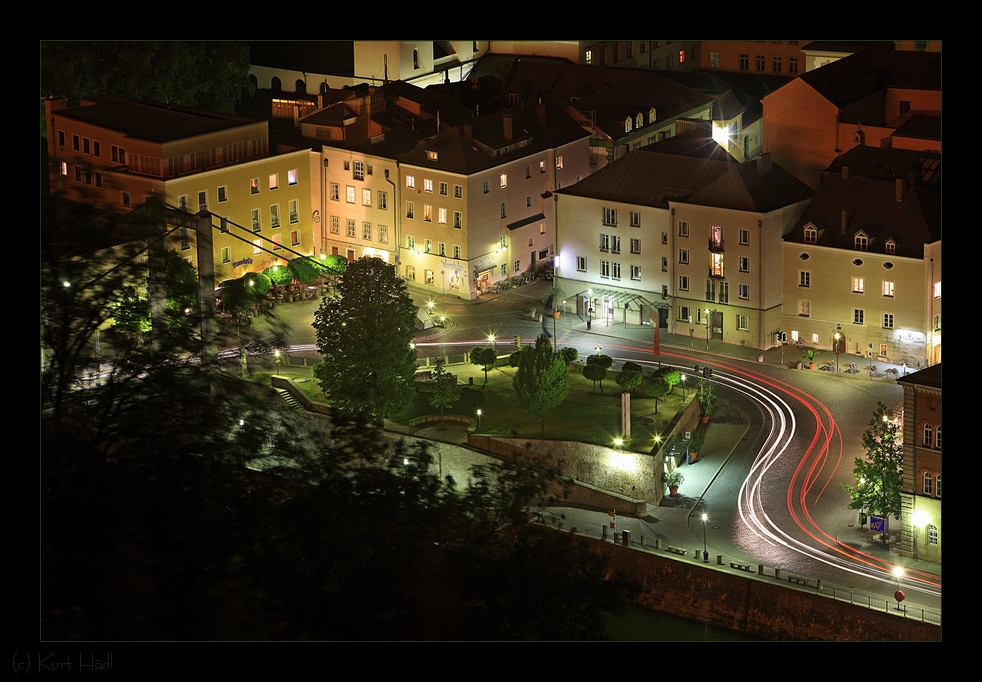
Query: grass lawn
586,415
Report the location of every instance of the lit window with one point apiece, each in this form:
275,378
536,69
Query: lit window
559,162
276,242
888,289
442,216
636,272
410,182
257,247
937,289
366,197
274,181
366,231
504,180
857,285
427,213
294,237
427,185
349,228
291,176
349,194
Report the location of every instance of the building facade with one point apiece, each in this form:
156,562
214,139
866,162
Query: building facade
921,496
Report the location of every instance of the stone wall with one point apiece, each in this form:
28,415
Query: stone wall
761,608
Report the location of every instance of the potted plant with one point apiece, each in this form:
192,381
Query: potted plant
706,394
673,480
695,443
811,355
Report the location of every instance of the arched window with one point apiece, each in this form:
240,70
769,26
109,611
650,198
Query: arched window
928,435
937,486
300,86
937,437
928,480
274,84
932,534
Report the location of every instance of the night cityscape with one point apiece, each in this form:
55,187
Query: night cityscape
497,341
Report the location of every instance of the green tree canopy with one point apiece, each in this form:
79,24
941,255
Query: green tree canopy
484,358
656,387
628,379
364,332
595,373
542,380
279,275
879,475
445,389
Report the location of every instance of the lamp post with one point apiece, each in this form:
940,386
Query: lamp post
899,595
491,341
705,546
838,342
277,353
479,420
683,388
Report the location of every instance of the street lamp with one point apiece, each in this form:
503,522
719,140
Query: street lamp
708,325
479,420
838,343
277,353
491,341
705,546
899,595
683,388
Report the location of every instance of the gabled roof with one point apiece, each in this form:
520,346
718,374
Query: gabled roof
930,377
152,121
471,148
879,163
611,107
918,126
734,93
871,206
745,188
867,72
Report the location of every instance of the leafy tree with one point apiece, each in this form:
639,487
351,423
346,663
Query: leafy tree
879,475
445,389
669,374
656,387
628,379
257,283
632,366
335,264
307,269
569,354
485,358
364,332
706,395
211,75
279,275
542,380
596,369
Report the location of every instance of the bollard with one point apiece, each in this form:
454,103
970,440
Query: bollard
719,559
819,584
657,543
777,573
626,538
603,534
470,380
643,541
760,569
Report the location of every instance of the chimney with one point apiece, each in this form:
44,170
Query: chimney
764,164
842,222
507,123
540,114
845,172
899,184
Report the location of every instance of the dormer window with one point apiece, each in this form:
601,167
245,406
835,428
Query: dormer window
890,246
640,120
861,242
652,116
431,155
628,124
811,235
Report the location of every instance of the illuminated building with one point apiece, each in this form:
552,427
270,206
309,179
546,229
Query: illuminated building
113,153
920,500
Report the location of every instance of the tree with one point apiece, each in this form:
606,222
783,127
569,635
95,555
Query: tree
656,387
445,389
706,395
628,379
542,379
569,354
365,332
485,358
879,475
596,369
669,374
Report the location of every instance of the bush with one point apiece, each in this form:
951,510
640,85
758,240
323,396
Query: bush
631,367
569,354
279,275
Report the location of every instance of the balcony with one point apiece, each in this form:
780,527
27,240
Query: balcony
716,245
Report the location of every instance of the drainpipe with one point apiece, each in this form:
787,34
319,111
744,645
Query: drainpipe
395,215
760,283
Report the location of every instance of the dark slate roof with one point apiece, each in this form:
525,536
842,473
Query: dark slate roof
867,72
333,57
743,188
734,92
918,125
691,143
459,153
871,206
151,120
610,107
888,164
649,178
930,377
